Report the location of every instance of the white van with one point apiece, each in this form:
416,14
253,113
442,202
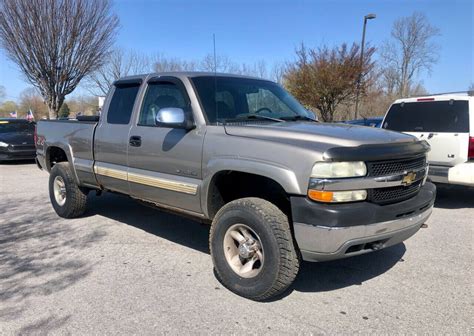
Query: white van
447,123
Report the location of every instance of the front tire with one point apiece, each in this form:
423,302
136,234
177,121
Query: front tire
252,249
68,200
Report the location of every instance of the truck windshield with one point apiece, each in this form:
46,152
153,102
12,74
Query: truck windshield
434,116
227,99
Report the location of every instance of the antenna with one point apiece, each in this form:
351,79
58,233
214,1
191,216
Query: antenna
215,76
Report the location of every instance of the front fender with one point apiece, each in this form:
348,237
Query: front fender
285,177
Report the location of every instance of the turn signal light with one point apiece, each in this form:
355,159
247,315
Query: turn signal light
337,196
320,196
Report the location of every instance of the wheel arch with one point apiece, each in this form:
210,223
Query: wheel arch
249,177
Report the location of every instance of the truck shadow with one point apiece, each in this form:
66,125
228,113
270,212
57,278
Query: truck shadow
313,277
175,228
454,197
353,271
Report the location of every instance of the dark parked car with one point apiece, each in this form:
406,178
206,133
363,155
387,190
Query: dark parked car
17,139
371,122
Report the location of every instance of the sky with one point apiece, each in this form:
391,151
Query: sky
250,30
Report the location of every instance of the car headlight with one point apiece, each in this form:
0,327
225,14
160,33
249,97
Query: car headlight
339,169
3,144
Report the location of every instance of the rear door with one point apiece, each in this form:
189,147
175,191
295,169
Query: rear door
112,137
443,123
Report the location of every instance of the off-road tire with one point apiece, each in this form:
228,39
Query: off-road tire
76,197
281,263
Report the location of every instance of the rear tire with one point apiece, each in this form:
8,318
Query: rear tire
253,230
68,200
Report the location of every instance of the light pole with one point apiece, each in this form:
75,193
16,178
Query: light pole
367,17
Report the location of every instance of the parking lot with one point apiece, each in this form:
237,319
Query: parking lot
124,268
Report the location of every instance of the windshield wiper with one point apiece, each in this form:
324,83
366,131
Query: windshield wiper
298,117
252,116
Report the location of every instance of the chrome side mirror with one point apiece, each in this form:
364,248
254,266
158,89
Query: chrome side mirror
173,117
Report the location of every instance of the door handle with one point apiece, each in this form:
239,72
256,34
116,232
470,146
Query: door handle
135,141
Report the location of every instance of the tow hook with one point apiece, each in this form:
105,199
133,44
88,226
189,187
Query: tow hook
376,246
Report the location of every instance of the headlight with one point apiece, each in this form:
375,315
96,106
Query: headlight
337,196
3,144
339,169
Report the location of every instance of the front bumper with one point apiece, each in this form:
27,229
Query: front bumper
328,231
9,154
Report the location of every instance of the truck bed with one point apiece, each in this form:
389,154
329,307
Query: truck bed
74,137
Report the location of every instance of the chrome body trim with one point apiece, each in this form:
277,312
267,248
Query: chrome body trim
361,183
163,183
148,180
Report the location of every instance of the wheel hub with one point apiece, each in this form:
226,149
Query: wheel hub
247,249
243,250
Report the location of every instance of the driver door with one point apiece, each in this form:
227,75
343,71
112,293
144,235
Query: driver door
164,163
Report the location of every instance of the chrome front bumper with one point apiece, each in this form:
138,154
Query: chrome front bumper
320,243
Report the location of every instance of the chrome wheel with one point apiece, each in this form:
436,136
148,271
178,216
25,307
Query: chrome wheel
59,188
243,251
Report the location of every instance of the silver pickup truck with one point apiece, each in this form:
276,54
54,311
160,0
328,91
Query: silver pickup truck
242,154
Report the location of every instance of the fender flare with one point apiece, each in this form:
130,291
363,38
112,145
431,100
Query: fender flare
285,177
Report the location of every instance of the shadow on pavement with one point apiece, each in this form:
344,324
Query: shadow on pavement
313,277
38,253
454,197
332,275
175,228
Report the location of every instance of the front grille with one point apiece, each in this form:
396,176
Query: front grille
393,194
384,168
395,167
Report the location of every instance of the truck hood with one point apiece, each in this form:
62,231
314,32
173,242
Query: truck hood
307,134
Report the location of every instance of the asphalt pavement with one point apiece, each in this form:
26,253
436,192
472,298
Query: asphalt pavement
124,268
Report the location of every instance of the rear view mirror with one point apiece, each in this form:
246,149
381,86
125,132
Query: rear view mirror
174,117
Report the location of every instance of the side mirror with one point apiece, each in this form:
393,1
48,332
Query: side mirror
174,117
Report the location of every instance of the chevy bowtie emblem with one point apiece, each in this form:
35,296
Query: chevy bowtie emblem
409,178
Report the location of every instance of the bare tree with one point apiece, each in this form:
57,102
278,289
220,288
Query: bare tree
55,43
162,63
119,63
30,99
410,51
222,63
2,93
323,78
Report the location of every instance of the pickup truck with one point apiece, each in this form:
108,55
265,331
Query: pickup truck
242,154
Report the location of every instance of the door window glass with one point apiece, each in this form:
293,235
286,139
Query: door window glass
160,95
121,105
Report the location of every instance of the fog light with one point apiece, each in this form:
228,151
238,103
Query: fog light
337,196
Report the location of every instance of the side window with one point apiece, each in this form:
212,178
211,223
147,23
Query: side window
266,102
160,95
121,105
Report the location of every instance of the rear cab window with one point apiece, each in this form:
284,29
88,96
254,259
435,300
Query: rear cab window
121,105
450,116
